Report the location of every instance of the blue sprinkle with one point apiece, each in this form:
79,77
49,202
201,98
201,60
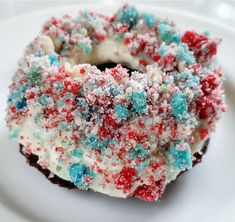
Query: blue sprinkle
113,91
86,115
93,142
179,104
187,78
167,34
34,77
139,151
20,105
54,60
180,158
16,95
43,100
183,54
143,165
113,141
81,92
138,101
194,79
87,48
97,91
78,172
81,102
76,153
149,19
163,49
128,15
175,38
121,111
169,80
94,20
103,143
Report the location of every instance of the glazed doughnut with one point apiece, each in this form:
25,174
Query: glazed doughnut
126,130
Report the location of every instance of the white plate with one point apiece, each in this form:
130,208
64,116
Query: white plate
205,194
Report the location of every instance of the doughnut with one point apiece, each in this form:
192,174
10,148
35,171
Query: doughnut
120,105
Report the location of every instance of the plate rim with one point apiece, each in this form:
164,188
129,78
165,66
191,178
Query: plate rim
5,210
201,18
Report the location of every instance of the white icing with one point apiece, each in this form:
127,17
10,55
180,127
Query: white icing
107,51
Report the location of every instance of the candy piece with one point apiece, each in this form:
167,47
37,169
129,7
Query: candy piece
139,152
163,49
125,178
44,99
54,59
150,19
149,192
121,111
128,15
179,156
20,105
201,45
208,83
81,175
183,54
179,104
34,77
93,142
138,101
86,47
207,107
168,34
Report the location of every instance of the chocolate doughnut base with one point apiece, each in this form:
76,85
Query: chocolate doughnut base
32,161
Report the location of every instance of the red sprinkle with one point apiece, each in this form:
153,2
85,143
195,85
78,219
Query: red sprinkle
199,44
203,133
72,86
69,117
110,121
30,95
143,62
207,107
103,132
168,61
208,83
149,192
82,71
125,178
132,134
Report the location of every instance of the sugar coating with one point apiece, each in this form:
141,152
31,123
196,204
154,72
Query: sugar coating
125,134
180,156
179,104
80,175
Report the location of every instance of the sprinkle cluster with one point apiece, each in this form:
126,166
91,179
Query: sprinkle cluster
127,131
